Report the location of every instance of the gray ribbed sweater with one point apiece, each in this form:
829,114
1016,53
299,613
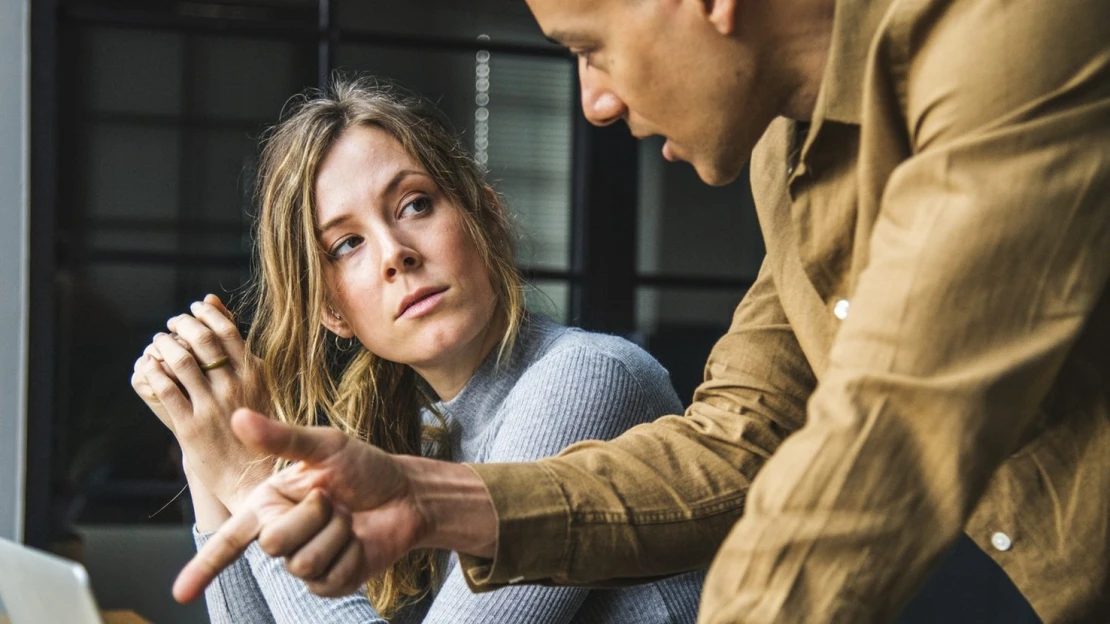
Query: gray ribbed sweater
561,385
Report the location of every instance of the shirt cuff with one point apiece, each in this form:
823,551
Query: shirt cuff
533,527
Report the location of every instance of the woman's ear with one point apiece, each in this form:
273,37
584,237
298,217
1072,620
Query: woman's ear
336,324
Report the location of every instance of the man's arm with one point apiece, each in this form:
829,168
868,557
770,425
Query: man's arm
660,498
990,252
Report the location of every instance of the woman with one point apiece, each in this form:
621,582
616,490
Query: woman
388,305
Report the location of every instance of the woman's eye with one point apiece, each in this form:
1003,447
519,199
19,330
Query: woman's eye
418,206
345,246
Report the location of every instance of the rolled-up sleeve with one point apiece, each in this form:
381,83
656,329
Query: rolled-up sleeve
988,256
659,499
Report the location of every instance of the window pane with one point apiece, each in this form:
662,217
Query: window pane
550,298
680,327
130,171
105,435
161,238
129,71
224,165
145,296
664,307
525,126
686,227
252,79
529,150
507,22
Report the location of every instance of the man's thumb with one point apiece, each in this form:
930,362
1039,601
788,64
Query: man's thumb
307,444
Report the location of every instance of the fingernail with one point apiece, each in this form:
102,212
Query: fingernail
194,305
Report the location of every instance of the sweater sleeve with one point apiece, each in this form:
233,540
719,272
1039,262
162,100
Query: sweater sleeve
257,589
574,393
290,601
234,597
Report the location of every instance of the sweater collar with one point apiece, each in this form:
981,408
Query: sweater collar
480,398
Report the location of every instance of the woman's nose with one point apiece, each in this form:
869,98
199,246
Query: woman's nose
399,258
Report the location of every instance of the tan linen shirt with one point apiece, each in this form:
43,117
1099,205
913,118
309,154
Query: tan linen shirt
925,351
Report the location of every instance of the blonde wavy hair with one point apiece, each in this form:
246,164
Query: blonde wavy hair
309,380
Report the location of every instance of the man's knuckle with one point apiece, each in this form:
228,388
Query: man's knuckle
307,565
270,543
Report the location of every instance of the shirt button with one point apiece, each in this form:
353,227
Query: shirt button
1001,541
840,308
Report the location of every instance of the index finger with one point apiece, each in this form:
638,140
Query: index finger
215,302
222,550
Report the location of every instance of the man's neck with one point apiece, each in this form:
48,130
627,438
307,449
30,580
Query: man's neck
798,41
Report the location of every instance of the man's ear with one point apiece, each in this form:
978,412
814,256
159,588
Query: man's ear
336,324
722,14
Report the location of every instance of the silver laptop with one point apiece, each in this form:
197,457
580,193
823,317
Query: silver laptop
39,588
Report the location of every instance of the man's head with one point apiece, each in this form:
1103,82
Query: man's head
709,75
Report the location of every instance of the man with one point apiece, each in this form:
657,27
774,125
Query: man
923,352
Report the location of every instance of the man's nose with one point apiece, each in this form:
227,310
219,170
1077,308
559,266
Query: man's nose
600,104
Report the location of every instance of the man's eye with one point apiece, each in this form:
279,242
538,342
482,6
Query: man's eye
345,246
418,206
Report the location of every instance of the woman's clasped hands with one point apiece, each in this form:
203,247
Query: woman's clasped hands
193,379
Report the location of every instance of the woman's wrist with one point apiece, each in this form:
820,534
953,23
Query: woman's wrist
209,513
453,507
245,483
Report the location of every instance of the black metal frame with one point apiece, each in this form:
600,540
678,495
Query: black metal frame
605,179
40,340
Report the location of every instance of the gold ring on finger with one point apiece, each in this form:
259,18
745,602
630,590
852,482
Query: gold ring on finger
214,364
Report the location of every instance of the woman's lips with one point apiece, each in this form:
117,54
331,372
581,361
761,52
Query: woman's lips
423,306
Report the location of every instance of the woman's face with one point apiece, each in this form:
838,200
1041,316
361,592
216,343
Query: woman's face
402,272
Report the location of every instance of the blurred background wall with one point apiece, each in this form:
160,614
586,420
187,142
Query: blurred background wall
14,197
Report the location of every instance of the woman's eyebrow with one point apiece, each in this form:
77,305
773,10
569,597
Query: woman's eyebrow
339,220
399,177
388,189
